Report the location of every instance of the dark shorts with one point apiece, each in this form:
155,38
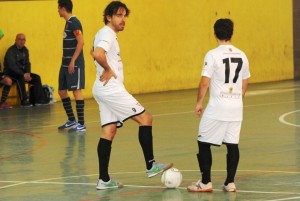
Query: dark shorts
71,82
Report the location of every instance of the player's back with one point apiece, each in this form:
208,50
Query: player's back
226,66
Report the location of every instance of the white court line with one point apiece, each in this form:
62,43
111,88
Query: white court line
162,187
282,117
293,198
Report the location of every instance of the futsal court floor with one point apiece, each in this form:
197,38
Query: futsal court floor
38,162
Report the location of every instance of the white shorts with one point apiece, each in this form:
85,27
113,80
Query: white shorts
116,105
216,132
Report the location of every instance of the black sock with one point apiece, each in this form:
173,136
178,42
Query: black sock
68,108
233,156
5,92
145,138
104,149
80,111
205,161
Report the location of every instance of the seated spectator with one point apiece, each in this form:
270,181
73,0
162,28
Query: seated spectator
6,81
17,66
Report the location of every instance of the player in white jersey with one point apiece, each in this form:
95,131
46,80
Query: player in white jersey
225,73
115,103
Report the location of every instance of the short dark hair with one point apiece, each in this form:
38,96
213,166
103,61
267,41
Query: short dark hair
67,4
223,29
112,8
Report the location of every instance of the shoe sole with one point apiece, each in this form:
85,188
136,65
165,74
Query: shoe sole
110,187
200,190
229,190
60,128
166,168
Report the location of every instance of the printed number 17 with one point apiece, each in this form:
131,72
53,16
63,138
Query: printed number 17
239,62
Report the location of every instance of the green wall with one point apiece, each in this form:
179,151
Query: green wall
164,41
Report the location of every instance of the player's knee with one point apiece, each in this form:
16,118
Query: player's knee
63,93
109,132
8,82
147,120
77,94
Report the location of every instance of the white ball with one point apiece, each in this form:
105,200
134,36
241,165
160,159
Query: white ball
171,178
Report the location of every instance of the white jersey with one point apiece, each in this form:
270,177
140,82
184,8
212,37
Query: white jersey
107,39
227,67
116,105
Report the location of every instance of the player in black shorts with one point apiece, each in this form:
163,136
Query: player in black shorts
71,75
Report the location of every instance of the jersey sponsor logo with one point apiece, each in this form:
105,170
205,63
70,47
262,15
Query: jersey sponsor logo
230,95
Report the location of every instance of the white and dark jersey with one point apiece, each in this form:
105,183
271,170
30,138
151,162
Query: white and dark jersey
72,27
227,67
107,39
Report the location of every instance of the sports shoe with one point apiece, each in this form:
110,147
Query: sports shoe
230,187
158,168
101,185
200,187
25,103
68,124
42,103
4,105
79,127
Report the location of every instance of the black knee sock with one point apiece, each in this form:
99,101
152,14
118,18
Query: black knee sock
68,108
145,138
233,156
80,111
205,161
5,92
104,149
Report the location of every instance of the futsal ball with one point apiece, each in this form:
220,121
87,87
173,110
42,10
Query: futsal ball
171,178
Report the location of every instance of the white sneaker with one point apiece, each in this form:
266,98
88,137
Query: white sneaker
200,187
230,187
101,185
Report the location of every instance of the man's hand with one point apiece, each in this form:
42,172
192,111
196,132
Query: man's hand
27,77
71,68
199,109
106,76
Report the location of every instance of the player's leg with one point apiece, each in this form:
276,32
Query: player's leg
104,149
233,156
5,91
204,158
211,132
231,139
66,101
77,79
146,141
109,131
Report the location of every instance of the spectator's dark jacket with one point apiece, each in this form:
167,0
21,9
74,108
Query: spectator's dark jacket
16,61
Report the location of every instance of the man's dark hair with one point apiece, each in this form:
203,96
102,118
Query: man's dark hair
224,29
113,8
67,4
